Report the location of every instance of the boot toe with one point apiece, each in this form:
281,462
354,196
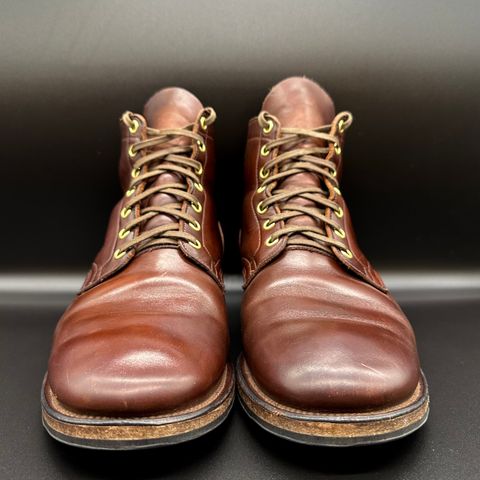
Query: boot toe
321,371
144,377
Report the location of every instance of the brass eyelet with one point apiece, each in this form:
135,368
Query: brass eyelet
199,170
197,206
333,173
264,173
123,233
195,225
133,127
261,189
201,145
341,126
203,123
131,152
119,254
337,190
269,127
267,225
264,151
198,186
130,192
196,244
271,241
339,212
340,232
261,209
347,253
135,172
337,148
125,212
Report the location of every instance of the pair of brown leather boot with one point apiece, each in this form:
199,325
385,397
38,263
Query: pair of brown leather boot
140,357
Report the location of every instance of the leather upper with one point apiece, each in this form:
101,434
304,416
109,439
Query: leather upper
208,257
320,330
255,254
148,332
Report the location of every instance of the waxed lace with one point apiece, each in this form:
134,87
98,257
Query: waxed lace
293,158
154,161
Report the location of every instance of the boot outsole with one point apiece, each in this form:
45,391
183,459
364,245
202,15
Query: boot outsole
331,429
120,433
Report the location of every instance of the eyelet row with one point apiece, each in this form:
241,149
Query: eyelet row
263,174
195,225
197,206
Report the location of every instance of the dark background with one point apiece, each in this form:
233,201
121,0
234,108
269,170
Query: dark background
410,73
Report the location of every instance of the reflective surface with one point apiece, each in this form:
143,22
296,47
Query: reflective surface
446,448
408,71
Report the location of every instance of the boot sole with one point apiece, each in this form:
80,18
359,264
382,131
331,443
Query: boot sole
331,429
110,433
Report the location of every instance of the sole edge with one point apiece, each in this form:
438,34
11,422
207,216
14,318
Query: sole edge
332,430
104,433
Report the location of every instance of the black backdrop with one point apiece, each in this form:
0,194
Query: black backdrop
409,71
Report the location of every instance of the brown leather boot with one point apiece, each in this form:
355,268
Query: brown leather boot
329,357
139,357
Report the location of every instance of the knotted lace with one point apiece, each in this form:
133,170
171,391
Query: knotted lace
152,161
299,151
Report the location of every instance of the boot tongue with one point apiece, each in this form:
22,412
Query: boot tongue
298,102
169,108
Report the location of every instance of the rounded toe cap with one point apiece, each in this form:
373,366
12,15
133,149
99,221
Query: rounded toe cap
140,381
338,369
153,338
136,367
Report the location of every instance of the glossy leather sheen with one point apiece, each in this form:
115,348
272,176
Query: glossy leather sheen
147,333
208,257
320,331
